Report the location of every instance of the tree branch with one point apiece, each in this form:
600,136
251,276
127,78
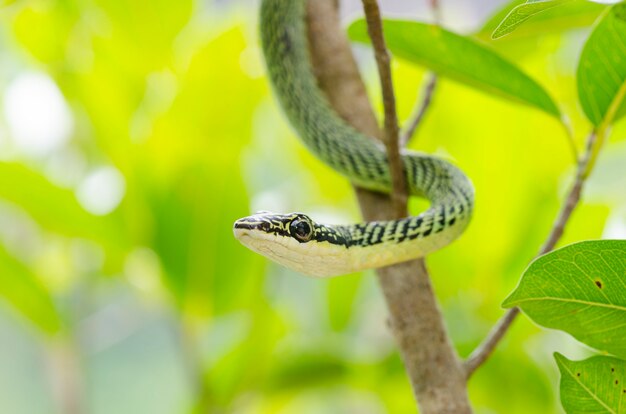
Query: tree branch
383,61
436,374
420,110
486,348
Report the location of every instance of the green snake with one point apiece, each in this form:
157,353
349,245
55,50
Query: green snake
297,241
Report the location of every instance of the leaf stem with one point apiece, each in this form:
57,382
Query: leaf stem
423,104
486,348
604,126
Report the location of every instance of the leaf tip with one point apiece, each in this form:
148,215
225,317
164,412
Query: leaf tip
561,361
510,301
498,33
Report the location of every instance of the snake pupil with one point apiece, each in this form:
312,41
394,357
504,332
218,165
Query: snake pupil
301,230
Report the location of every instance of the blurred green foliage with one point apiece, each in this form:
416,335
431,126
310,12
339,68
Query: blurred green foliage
154,307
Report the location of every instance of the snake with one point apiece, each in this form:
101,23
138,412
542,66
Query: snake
297,241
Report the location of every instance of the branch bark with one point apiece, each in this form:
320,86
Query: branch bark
433,367
486,348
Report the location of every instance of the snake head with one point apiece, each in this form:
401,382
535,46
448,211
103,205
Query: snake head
293,240
298,226
266,228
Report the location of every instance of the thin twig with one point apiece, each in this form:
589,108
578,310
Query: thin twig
383,61
572,199
484,350
64,368
419,111
434,7
424,103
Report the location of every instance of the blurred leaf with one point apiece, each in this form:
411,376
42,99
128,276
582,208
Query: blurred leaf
595,385
20,287
580,289
52,17
308,369
570,14
144,27
196,196
523,12
54,208
193,237
459,58
342,292
601,73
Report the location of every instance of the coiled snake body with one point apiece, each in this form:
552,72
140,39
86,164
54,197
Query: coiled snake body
294,239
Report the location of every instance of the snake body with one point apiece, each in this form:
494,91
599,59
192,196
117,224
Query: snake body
316,249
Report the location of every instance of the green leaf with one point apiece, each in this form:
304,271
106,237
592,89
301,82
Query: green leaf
595,385
580,289
569,14
21,288
459,58
54,208
523,12
601,74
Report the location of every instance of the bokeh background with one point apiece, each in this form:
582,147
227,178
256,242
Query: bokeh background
133,133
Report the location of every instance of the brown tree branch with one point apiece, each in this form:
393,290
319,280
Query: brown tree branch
436,374
383,61
486,348
420,111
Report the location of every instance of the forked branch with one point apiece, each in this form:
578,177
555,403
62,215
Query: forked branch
486,348
392,132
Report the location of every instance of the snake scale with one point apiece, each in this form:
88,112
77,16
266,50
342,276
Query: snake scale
297,241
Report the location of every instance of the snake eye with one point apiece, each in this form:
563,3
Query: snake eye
301,230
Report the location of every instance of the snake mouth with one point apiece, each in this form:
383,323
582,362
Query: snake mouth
242,229
242,225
